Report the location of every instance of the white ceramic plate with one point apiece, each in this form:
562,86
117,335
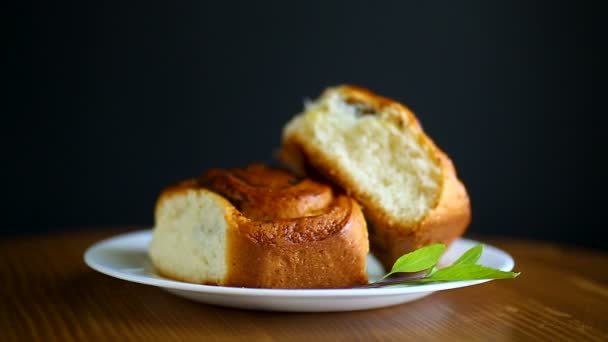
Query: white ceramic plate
125,257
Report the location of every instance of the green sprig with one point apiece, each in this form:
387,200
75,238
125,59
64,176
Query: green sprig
464,268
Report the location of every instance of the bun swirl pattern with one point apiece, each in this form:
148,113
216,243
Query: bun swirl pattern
273,230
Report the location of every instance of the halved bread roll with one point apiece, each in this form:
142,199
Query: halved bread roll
259,227
374,148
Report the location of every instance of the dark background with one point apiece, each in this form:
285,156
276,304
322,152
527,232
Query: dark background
108,102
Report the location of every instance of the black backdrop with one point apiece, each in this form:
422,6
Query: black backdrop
110,101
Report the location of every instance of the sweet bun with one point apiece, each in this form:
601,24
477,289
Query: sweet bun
375,149
259,227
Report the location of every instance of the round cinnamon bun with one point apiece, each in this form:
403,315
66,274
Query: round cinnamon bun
259,227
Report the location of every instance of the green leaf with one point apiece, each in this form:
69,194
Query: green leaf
470,272
471,256
418,260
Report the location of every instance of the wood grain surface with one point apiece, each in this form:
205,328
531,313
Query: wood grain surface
48,294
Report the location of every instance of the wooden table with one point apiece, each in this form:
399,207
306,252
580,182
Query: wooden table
48,294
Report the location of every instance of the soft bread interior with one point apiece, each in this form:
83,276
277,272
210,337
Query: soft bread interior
380,153
189,240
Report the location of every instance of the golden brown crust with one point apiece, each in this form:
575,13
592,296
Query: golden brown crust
335,261
388,239
283,231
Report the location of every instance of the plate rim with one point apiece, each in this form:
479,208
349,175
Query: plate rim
89,259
